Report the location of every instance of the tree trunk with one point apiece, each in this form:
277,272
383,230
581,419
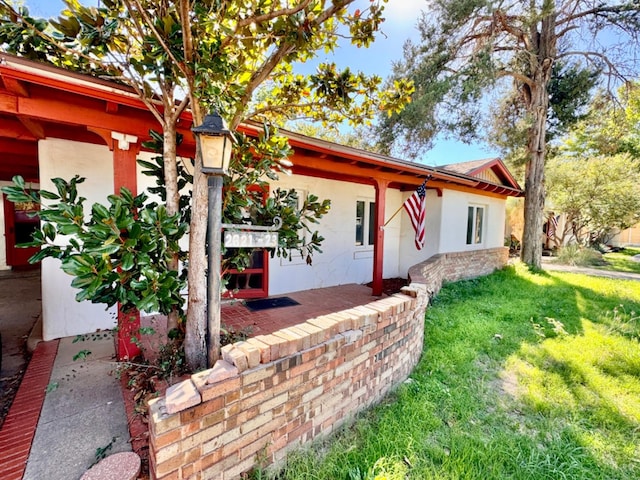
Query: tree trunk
534,198
173,196
540,68
195,342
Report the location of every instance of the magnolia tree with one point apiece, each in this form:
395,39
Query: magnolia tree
235,57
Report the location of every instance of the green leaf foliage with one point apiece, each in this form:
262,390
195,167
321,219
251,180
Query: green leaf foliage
118,252
611,126
598,195
234,57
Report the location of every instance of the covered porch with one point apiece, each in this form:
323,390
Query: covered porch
238,318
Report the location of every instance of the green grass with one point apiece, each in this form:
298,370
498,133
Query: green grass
621,261
524,376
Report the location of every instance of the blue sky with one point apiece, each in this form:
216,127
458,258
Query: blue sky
401,17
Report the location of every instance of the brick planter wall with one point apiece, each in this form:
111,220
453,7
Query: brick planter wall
450,267
273,393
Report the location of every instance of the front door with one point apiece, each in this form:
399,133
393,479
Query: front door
19,225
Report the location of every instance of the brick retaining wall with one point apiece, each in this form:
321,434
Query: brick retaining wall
450,267
273,393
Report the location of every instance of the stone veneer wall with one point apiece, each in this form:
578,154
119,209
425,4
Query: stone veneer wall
272,393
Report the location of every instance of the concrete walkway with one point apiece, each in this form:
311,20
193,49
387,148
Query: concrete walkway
83,411
65,411
19,308
548,264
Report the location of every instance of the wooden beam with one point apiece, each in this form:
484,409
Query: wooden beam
112,107
11,146
104,134
125,175
378,244
16,86
11,128
8,103
308,172
34,127
346,168
125,168
71,109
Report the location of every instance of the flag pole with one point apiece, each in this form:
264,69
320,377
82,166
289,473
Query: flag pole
392,216
429,177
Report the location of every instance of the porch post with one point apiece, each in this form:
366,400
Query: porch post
125,151
378,244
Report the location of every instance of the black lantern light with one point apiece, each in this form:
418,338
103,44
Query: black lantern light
215,144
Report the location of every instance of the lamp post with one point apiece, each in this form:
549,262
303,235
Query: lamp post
214,142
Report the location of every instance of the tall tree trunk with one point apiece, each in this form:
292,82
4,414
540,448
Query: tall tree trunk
195,345
535,194
173,196
541,62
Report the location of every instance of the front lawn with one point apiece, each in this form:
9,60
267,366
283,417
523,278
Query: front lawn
524,376
621,261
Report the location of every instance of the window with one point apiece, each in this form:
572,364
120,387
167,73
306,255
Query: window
475,221
365,222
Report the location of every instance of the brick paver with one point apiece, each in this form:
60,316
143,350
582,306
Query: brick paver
313,303
20,425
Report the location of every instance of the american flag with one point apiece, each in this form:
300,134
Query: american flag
416,207
553,226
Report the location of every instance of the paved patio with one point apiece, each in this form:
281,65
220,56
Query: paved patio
238,318
312,303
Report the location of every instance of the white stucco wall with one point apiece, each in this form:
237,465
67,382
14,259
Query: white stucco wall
453,226
62,315
341,261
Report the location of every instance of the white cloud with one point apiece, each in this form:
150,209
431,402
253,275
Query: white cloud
404,12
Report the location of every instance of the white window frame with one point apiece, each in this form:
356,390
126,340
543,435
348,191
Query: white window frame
367,223
476,224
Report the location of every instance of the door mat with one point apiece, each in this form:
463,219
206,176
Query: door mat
267,303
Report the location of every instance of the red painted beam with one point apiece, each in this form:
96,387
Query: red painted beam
125,175
378,244
68,108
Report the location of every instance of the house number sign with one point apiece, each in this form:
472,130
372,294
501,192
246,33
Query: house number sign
237,239
251,236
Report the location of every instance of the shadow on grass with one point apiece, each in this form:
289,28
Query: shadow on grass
525,375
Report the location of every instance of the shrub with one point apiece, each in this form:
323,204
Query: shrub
580,256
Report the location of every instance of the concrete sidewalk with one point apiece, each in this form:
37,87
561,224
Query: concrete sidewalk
548,264
83,411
